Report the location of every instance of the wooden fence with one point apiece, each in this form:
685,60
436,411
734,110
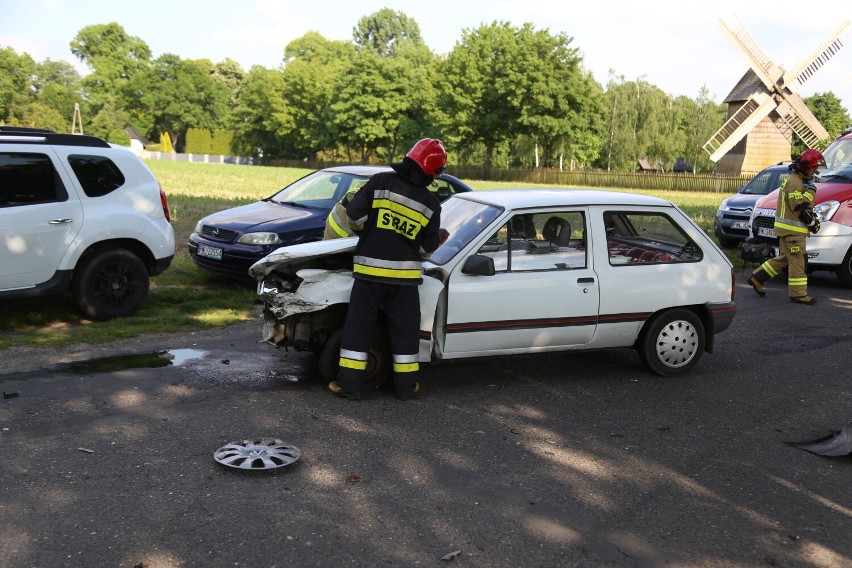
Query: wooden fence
717,183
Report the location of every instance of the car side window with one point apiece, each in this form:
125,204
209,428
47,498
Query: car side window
647,238
760,185
98,175
539,241
29,178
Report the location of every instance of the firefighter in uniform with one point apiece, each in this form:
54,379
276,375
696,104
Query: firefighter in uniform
401,219
336,224
794,219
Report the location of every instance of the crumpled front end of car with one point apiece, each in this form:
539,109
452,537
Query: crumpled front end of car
302,310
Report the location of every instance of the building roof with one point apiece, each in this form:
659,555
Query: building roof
746,87
136,136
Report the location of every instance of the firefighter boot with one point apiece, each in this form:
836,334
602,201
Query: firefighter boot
411,394
335,389
757,283
807,300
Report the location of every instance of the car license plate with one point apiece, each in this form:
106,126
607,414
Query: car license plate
740,225
765,232
210,252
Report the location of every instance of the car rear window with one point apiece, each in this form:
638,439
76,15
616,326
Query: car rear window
97,175
27,178
647,238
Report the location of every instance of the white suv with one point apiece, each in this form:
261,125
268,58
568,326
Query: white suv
79,214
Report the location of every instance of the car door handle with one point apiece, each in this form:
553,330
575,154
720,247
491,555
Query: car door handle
60,221
589,280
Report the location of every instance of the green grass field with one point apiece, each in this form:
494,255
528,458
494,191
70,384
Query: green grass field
185,298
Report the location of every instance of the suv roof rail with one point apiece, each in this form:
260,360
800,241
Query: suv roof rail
27,135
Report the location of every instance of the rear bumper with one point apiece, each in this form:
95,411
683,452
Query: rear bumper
723,315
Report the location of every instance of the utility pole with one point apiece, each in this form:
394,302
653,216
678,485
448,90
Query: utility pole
77,121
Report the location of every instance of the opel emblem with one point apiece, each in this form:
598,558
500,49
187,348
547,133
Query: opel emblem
216,232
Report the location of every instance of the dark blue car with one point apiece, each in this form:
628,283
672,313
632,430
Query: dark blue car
229,242
732,218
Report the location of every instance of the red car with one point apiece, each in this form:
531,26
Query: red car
831,248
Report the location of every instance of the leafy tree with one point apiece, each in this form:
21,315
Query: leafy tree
830,112
114,58
16,76
110,118
262,118
701,119
313,66
482,88
380,100
384,31
38,115
119,136
178,94
557,101
57,85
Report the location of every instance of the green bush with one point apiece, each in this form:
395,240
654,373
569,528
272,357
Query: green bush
120,137
198,141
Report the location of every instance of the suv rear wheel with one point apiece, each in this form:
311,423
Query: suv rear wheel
110,283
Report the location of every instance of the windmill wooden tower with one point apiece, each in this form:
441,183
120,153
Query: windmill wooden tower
764,109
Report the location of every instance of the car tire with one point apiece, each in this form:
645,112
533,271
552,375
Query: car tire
379,359
728,243
672,342
109,284
844,271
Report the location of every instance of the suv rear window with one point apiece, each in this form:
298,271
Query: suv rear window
29,178
97,175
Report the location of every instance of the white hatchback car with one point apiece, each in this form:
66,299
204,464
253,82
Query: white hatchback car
526,271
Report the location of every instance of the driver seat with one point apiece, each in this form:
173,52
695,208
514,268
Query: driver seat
557,231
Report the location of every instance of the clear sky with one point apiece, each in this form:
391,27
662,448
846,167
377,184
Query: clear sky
675,45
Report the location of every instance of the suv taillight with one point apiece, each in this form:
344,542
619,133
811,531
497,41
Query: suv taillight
165,203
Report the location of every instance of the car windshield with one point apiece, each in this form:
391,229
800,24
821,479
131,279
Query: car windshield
463,220
320,189
838,160
763,183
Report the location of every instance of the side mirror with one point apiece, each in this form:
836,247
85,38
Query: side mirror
479,265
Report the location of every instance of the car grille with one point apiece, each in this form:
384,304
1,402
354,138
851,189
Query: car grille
764,222
217,234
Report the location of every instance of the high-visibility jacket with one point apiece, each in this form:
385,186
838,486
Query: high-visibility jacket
336,224
795,197
401,219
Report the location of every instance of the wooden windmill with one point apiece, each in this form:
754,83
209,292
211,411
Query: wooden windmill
764,109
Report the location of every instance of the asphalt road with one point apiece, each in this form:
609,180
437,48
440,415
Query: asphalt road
579,459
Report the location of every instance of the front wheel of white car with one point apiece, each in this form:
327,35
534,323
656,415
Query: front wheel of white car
673,342
379,360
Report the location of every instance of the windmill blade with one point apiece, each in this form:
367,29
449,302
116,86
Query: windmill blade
801,121
768,72
755,109
801,72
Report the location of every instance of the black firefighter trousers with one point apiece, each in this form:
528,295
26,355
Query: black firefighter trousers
401,304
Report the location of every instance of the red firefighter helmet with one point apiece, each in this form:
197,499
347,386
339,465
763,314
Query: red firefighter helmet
430,155
810,158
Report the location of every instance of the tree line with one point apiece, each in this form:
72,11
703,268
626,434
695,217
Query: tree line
504,96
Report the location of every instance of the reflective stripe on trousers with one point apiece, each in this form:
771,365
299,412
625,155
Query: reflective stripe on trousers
401,308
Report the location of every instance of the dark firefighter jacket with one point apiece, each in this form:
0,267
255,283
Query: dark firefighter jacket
401,219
